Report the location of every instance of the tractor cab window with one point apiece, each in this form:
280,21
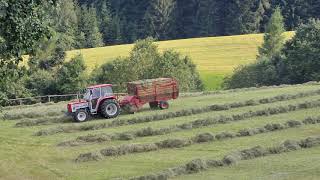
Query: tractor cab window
95,93
87,94
106,91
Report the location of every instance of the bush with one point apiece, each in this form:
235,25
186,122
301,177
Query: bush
146,62
71,76
302,59
41,82
262,73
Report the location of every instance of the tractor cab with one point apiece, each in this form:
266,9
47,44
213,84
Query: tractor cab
95,94
98,99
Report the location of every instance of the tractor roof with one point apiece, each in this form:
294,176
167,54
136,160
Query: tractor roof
99,86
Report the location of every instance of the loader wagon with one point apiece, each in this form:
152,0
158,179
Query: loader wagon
155,92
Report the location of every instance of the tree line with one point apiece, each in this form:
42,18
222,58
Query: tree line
125,21
94,23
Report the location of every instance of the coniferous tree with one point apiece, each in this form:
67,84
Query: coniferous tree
88,28
290,9
159,18
204,18
219,12
244,16
105,22
65,24
186,20
273,38
116,33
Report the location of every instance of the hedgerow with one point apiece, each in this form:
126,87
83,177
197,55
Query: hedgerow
209,121
181,113
200,138
199,165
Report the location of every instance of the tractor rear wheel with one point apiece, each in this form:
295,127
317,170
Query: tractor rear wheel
164,105
81,115
110,109
154,105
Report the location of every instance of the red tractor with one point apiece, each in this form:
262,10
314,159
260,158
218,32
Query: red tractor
100,100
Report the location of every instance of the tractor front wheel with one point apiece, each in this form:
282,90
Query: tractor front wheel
164,105
81,115
110,109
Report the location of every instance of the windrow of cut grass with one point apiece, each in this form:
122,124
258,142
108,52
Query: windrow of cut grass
169,115
217,92
209,121
198,165
43,121
28,106
33,111
29,115
200,138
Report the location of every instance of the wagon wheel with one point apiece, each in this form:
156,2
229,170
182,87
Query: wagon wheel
164,105
154,105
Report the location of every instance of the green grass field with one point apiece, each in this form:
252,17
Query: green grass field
26,156
215,57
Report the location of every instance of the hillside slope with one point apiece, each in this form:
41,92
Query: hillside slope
216,57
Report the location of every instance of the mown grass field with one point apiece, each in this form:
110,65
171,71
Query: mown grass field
216,57
38,142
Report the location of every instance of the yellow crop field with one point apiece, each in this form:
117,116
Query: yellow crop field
215,57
